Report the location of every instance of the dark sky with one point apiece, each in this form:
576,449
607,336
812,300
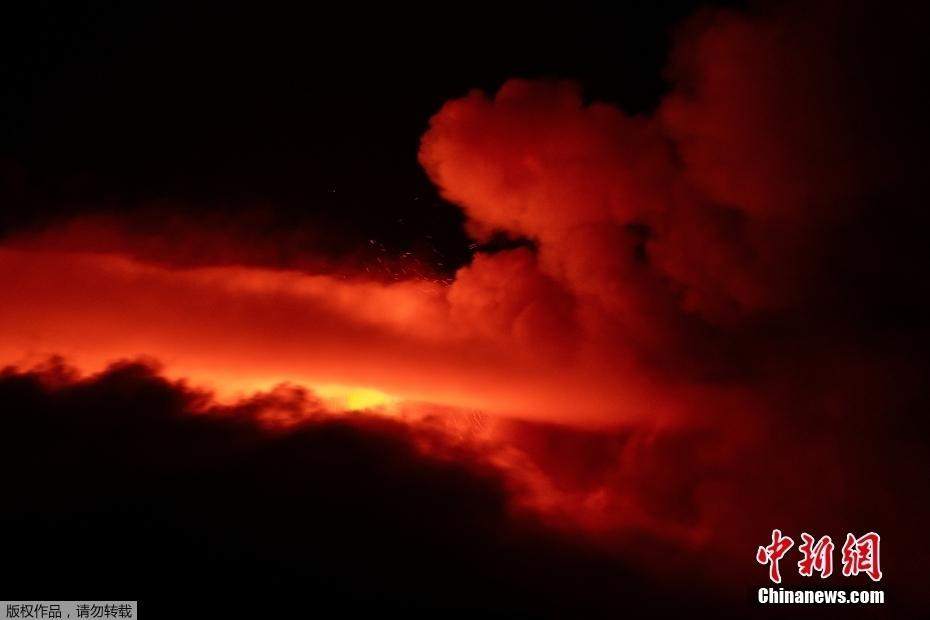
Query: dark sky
309,118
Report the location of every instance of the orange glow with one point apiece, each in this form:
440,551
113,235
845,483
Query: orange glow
238,330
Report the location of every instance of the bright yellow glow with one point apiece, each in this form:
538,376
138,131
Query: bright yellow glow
232,388
354,398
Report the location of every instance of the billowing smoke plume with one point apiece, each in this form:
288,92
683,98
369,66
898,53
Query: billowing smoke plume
749,248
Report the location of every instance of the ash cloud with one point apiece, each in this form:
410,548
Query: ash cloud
754,248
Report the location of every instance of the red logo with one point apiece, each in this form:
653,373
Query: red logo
817,557
860,555
773,553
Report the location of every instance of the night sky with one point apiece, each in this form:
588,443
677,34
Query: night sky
296,119
546,312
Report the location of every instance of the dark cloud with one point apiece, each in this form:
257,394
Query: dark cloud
126,484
